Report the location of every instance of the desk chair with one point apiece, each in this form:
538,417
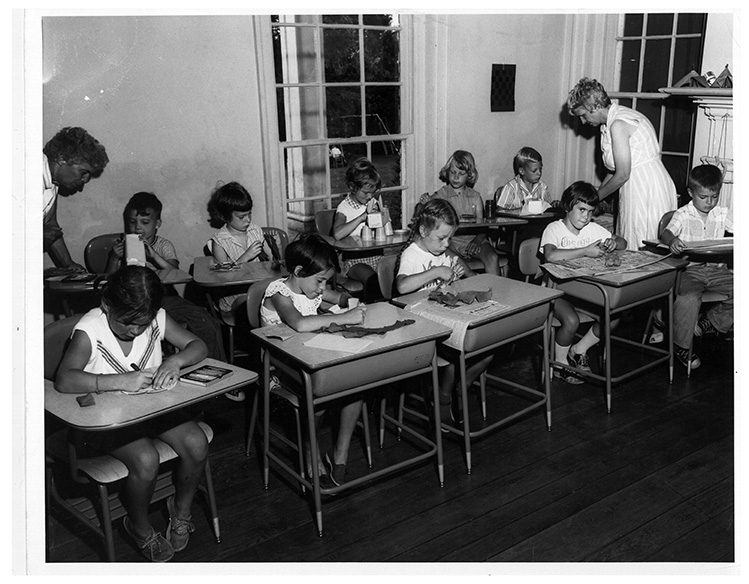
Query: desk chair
254,298
96,252
324,225
99,473
279,239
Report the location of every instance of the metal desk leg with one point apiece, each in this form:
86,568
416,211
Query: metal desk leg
266,417
311,426
466,424
545,369
607,334
437,418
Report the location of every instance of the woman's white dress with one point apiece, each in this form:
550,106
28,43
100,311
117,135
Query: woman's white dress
649,192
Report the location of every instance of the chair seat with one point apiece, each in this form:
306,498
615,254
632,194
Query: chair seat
107,469
351,286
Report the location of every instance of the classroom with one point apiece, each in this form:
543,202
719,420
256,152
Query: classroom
637,466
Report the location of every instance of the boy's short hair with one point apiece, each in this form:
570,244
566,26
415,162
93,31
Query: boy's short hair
141,202
707,176
525,155
77,145
579,192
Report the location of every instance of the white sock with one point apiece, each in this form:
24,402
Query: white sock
561,352
582,346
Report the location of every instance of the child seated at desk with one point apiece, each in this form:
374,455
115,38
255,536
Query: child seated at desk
698,220
117,347
426,262
295,300
142,215
350,218
576,236
526,185
460,175
238,239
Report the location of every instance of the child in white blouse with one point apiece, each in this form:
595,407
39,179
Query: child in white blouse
295,300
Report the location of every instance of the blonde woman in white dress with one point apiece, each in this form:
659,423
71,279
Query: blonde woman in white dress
632,155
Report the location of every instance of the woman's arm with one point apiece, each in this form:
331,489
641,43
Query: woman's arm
620,134
71,377
342,228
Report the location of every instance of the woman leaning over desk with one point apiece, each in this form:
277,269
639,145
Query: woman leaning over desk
631,152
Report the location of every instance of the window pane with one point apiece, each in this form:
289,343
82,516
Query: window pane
294,55
306,175
690,23
392,200
630,65
386,156
677,126
633,24
655,67
381,19
678,168
343,112
383,110
341,55
301,114
381,52
687,57
340,19
660,23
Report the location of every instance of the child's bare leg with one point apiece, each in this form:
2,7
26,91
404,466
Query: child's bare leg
349,417
191,445
489,258
142,461
474,370
447,383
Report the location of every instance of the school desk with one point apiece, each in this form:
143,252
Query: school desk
606,295
322,375
247,273
114,409
717,253
536,220
66,289
522,310
487,225
354,243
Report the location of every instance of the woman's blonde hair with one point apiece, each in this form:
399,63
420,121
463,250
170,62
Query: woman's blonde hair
588,93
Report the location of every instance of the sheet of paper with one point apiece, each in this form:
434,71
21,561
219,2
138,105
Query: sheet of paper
337,343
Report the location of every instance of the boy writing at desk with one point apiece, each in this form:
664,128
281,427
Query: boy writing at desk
698,220
142,215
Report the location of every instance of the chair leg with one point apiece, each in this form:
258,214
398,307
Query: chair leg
106,522
365,427
648,325
300,447
482,387
231,345
212,500
253,421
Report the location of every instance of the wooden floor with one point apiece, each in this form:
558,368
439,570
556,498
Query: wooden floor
650,482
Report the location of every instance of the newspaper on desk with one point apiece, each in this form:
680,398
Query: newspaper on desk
458,317
623,261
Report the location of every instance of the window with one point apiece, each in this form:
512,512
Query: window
339,95
657,50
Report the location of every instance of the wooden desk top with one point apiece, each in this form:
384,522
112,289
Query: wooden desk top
167,276
355,243
487,224
545,216
114,409
515,295
714,253
379,314
247,273
620,279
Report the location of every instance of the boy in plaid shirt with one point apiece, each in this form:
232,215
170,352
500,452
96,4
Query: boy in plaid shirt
698,220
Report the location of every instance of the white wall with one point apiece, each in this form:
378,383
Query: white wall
174,101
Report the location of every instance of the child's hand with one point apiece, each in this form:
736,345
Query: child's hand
424,198
118,249
677,246
473,249
594,250
166,375
355,315
150,251
136,381
442,273
458,270
255,248
608,245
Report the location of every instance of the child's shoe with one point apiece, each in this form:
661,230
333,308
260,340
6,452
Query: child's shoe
580,361
236,395
683,356
178,530
568,376
704,327
337,472
154,547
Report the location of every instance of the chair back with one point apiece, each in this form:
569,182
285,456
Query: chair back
56,338
528,260
254,298
277,240
665,220
96,252
386,275
324,221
